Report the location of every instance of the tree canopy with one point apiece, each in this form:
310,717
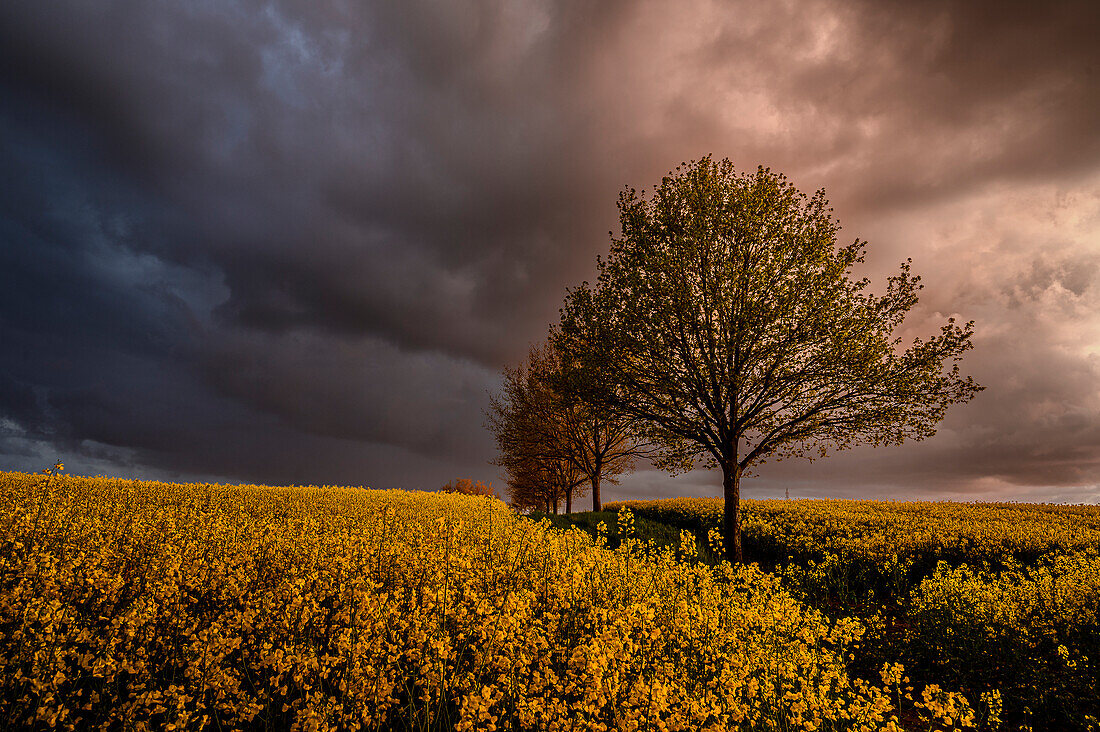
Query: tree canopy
726,320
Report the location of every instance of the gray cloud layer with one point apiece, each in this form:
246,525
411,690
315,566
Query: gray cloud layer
295,242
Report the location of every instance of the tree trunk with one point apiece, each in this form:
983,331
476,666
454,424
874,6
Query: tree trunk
596,505
569,500
731,516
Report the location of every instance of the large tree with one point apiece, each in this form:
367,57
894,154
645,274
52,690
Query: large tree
725,318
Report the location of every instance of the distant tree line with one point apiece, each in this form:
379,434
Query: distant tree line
468,487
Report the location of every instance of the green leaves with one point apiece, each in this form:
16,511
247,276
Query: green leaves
726,318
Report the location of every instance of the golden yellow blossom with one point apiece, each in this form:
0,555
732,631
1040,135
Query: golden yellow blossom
145,606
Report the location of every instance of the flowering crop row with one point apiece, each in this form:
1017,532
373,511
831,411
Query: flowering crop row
844,554
878,530
129,605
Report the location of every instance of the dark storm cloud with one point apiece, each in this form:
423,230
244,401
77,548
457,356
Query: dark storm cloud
296,241
893,103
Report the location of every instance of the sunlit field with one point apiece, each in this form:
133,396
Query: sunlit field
136,605
983,597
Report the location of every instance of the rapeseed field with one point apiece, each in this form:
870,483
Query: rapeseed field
145,606
139,606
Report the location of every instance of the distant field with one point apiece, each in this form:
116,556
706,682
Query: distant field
879,530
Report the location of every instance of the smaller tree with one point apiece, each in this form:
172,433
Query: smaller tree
546,426
526,421
603,441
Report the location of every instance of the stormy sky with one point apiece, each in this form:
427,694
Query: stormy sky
295,242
